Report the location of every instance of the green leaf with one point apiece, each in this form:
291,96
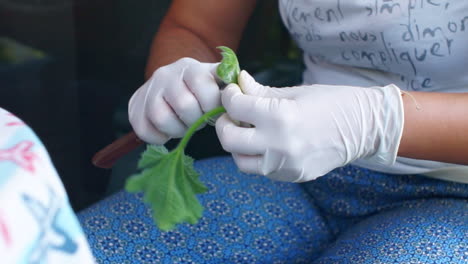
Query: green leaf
229,68
151,156
168,179
170,187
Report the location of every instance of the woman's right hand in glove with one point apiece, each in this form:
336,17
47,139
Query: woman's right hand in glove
173,98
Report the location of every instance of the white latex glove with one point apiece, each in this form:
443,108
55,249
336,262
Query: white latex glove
173,99
301,133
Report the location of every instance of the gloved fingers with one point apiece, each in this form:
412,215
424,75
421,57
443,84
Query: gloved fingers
135,109
183,103
247,163
201,82
237,139
164,119
245,108
259,164
141,125
148,133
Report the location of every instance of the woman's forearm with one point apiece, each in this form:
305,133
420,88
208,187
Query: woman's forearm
173,42
436,127
194,29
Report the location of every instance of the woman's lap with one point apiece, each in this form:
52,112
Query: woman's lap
420,231
376,206
250,219
247,219
350,194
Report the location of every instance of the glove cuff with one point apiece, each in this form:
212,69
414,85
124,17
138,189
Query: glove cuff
389,124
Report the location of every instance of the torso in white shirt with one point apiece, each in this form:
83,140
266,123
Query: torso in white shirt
419,45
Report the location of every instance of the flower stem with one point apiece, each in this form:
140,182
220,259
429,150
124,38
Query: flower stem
200,121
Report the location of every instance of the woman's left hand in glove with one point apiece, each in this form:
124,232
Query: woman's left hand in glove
300,133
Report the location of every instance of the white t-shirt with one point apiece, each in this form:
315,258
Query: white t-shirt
418,45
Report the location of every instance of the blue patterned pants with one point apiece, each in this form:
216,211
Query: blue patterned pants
350,215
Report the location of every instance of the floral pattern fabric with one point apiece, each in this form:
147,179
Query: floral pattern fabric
351,215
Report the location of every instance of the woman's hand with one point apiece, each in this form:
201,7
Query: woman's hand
301,133
180,89
173,99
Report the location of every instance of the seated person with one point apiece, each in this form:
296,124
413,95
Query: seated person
340,133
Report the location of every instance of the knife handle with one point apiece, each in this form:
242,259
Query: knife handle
108,156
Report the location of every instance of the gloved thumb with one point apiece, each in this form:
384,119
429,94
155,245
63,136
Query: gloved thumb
249,86
212,67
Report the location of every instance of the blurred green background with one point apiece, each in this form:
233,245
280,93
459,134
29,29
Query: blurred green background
68,68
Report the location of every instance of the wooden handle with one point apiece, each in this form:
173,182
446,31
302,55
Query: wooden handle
107,157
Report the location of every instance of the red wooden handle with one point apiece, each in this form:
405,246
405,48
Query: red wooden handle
108,156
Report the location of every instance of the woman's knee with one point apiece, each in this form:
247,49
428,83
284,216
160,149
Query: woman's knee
425,231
